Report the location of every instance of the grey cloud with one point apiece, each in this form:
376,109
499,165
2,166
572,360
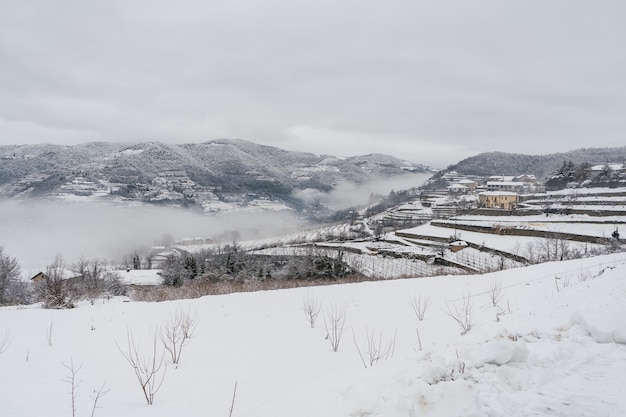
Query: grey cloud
463,76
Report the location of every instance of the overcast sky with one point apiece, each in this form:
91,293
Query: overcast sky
429,81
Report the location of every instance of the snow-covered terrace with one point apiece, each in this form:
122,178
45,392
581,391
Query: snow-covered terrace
574,224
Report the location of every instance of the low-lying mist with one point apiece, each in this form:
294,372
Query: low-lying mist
346,195
35,231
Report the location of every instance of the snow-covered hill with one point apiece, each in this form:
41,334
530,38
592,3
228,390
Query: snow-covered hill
216,175
554,344
495,163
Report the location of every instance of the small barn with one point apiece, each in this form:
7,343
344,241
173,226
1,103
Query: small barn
458,245
40,276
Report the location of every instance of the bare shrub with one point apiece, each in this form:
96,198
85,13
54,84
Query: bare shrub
495,291
334,320
149,368
55,291
177,332
311,306
420,305
583,275
462,313
200,287
501,311
376,350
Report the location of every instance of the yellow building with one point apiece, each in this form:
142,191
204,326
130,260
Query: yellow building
498,199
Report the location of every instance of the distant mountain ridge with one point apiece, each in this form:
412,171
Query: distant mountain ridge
196,174
502,163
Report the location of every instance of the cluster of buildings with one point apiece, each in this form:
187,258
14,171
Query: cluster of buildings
498,192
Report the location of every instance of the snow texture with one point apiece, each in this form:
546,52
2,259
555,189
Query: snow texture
553,346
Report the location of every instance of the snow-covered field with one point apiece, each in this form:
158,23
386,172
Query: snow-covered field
555,345
575,224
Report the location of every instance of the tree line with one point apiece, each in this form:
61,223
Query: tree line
61,285
231,263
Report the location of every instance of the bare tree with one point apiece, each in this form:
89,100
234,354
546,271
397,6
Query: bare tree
376,350
177,332
312,307
531,253
495,291
149,369
70,378
420,305
113,283
54,291
462,314
334,320
92,278
81,267
553,249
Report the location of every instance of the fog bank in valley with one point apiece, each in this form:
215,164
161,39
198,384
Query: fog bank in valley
34,232
346,195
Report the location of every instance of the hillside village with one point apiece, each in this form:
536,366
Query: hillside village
454,224
452,194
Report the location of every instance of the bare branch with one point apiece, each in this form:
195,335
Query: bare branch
462,314
419,339
376,351
334,320
71,380
312,307
147,369
232,404
495,291
176,333
97,395
420,305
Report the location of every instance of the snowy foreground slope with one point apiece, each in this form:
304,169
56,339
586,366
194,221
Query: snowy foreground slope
560,351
